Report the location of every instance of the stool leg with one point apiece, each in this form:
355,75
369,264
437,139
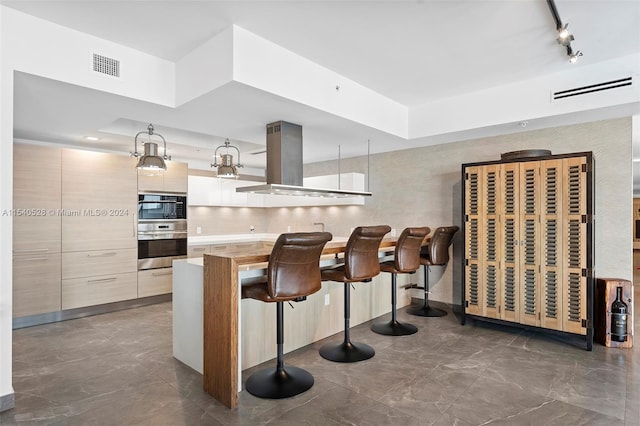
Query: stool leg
280,383
425,310
347,351
393,327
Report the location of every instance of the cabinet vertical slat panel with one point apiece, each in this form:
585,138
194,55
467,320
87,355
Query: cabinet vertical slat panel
552,303
492,253
529,243
575,241
473,236
510,225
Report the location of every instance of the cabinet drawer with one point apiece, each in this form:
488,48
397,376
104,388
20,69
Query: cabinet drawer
103,262
36,284
79,292
155,281
197,251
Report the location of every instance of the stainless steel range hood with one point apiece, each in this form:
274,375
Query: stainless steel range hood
284,166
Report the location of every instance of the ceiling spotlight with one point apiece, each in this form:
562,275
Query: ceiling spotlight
573,58
91,138
564,36
226,169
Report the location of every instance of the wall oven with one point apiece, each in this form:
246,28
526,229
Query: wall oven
162,230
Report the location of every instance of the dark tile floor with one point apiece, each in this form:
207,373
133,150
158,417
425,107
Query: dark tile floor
117,369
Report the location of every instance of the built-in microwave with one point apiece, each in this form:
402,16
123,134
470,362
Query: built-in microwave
162,207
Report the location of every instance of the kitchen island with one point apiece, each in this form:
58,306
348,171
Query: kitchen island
212,324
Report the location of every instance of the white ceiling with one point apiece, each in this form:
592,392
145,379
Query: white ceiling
410,51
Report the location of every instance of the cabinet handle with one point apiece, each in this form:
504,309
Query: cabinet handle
30,259
159,274
102,254
28,251
199,248
101,280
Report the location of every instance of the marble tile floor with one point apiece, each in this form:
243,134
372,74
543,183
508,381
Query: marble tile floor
117,369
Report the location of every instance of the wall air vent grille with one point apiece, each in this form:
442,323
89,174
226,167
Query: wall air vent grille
105,65
578,91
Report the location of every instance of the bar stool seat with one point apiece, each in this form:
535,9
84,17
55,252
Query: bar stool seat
435,253
293,273
406,260
361,263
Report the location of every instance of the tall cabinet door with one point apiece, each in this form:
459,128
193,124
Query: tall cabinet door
510,226
529,243
491,250
474,236
553,253
574,239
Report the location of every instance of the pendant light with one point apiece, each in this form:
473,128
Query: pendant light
226,169
150,161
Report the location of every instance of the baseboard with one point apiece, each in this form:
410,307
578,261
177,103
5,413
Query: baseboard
7,402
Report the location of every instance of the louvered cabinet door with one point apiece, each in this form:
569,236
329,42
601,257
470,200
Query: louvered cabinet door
574,239
473,238
510,225
529,243
551,228
491,253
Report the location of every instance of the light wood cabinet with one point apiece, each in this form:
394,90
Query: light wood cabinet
155,281
36,284
99,198
174,179
37,229
96,290
36,198
529,249
98,262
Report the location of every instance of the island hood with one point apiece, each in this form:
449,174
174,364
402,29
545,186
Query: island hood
284,166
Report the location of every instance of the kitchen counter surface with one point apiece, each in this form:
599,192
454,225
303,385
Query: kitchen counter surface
241,238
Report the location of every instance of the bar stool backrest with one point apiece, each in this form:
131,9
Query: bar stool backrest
438,250
294,265
407,254
361,254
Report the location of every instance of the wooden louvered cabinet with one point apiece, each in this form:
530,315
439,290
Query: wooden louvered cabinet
528,242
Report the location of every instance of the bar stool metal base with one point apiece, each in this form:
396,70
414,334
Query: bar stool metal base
394,328
426,311
347,352
275,384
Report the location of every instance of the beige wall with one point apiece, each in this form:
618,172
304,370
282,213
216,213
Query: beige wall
421,186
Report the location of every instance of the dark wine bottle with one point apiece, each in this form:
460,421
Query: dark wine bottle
619,318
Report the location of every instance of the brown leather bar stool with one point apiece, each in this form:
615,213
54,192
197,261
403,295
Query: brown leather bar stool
434,253
406,260
293,273
361,263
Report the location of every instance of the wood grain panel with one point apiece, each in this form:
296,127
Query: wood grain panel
155,281
79,292
36,188
99,262
220,368
36,284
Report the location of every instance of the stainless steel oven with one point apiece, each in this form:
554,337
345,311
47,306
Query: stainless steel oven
160,242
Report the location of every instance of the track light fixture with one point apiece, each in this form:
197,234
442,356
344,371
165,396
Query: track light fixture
564,36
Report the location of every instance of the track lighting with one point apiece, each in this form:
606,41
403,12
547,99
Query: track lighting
564,36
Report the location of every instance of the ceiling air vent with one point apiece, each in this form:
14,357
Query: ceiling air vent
105,65
579,91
